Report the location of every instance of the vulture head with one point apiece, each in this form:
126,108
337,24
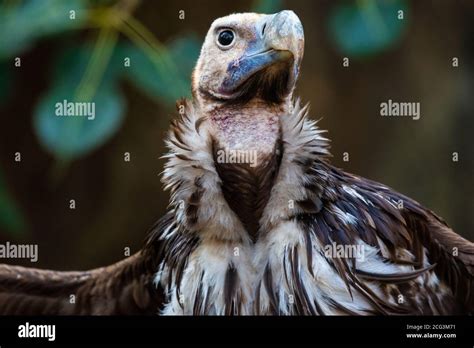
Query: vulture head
245,77
250,56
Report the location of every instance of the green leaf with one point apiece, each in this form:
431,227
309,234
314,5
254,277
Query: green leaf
11,218
23,22
267,6
367,27
153,76
68,137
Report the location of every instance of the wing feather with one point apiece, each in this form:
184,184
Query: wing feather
123,288
407,235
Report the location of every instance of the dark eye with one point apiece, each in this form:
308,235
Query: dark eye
226,37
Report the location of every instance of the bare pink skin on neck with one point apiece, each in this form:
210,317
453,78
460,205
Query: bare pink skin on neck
251,127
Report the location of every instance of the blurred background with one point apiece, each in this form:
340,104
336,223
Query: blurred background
134,59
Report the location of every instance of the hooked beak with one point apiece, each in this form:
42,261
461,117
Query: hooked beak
279,45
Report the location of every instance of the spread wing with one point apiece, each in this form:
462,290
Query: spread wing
123,288
429,239
405,233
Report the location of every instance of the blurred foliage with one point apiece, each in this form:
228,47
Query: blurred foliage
367,27
11,218
267,6
91,73
88,72
70,137
151,79
33,19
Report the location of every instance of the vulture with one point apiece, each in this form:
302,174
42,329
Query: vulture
259,221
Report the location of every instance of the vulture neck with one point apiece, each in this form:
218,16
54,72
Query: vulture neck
253,127
219,200
247,150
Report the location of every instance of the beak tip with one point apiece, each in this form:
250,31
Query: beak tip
286,32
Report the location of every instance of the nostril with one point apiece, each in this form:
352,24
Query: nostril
263,28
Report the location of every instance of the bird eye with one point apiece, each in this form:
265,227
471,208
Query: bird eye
226,37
